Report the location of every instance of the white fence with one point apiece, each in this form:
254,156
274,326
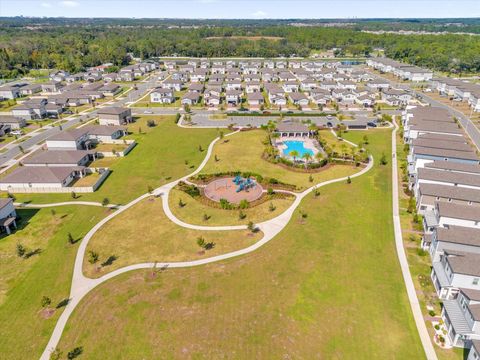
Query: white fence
67,189
131,145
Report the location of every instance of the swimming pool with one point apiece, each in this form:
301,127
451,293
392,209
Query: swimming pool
298,146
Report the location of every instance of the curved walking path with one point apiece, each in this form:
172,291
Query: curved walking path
82,285
402,258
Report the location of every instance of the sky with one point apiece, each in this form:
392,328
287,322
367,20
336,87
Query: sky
245,9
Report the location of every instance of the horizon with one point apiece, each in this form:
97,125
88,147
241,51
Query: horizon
243,10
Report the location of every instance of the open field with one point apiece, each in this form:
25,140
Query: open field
159,157
243,152
144,234
193,211
328,286
24,328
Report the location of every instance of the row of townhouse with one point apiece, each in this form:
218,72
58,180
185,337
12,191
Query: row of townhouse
252,66
444,176
266,75
459,90
401,70
72,95
298,92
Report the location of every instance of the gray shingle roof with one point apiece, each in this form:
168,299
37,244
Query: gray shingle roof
456,211
448,177
38,174
450,192
57,157
459,235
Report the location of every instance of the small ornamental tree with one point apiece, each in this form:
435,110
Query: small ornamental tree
271,207
92,257
383,159
201,241
21,250
46,301
76,352
70,239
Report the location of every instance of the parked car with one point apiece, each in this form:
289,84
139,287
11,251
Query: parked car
148,112
16,132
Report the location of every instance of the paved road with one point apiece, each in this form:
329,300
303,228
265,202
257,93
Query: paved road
131,96
82,285
465,121
402,258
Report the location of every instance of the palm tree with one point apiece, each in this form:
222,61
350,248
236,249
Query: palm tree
294,154
307,157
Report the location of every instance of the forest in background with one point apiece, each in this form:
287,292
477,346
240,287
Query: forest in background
74,44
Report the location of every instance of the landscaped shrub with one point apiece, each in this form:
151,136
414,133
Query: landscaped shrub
225,204
422,252
437,327
431,313
243,204
190,189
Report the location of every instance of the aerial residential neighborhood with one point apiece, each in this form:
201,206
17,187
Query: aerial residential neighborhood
239,180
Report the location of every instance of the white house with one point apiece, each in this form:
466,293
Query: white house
462,317
455,270
162,96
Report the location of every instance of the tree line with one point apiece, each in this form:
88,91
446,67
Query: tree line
74,48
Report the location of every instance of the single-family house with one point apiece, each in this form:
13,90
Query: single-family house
8,216
52,87
255,99
75,139
114,115
233,97
12,121
62,158
191,98
298,98
30,89
43,178
162,95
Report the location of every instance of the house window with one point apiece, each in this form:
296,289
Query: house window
475,281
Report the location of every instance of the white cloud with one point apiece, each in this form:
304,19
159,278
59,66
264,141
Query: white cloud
69,3
259,14
46,5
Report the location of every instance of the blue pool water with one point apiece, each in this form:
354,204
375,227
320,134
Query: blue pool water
296,145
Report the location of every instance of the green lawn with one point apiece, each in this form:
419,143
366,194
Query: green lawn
327,287
24,331
193,211
158,158
144,234
243,152
420,263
